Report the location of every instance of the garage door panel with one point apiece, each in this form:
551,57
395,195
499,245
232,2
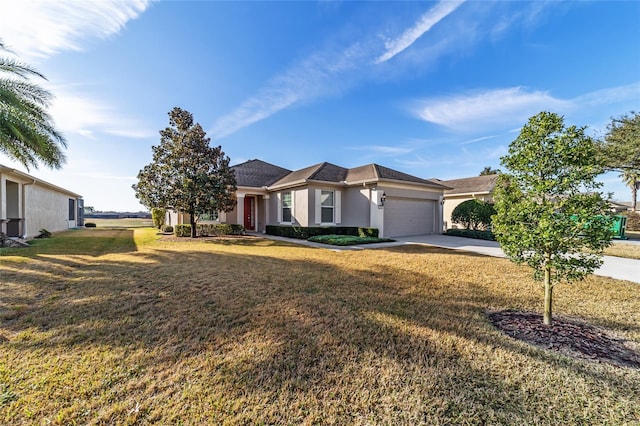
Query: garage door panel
403,216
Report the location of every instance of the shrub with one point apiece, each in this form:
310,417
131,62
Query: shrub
167,228
470,233
89,225
306,232
209,230
158,215
347,240
182,230
473,214
633,220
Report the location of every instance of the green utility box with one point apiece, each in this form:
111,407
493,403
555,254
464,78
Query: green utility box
619,226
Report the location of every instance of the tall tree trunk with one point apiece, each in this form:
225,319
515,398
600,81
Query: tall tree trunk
634,194
192,221
548,292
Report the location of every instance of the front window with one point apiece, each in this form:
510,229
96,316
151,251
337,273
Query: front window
287,204
326,206
209,217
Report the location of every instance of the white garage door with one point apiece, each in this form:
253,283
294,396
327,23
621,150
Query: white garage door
408,216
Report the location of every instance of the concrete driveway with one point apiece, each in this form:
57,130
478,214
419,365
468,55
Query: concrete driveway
613,267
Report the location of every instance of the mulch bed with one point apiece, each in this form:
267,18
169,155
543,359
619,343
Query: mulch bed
567,336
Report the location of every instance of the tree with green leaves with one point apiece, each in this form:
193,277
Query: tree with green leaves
632,179
27,133
187,174
473,214
549,213
489,171
620,151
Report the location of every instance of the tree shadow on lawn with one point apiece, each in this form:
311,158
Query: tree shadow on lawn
83,242
303,329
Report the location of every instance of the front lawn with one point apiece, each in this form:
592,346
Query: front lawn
116,327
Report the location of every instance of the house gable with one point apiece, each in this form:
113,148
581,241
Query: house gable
471,185
258,173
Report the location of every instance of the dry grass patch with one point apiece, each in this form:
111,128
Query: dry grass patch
252,331
630,251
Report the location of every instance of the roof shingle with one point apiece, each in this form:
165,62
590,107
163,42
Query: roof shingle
475,185
258,173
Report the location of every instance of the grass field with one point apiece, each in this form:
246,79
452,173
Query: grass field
112,326
121,223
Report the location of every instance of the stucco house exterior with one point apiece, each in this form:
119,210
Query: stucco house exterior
396,203
478,187
29,204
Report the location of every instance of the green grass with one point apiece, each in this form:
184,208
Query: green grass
104,326
347,240
121,223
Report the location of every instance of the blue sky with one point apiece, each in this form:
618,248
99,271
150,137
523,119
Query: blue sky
434,89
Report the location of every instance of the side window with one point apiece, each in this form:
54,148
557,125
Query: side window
72,209
287,204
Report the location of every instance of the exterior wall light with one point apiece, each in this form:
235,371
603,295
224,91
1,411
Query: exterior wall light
383,198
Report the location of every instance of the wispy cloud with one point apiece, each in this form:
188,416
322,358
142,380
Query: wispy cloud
505,107
424,24
488,108
83,115
480,139
327,72
50,26
324,73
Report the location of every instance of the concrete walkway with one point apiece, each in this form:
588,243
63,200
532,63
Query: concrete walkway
613,267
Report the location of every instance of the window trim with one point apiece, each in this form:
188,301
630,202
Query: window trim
337,206
281,207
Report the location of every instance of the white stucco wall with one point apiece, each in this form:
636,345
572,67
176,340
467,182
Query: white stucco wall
46,209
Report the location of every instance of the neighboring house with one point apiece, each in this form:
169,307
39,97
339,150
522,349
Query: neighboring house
620,206
29,204
324,194
479,188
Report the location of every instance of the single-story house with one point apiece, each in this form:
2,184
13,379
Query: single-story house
29,204
396,203
478,187
620,206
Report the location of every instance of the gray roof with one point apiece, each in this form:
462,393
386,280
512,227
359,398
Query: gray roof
257,173
471,185
327,172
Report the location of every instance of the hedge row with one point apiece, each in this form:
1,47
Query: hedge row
306,232
469,233
209,230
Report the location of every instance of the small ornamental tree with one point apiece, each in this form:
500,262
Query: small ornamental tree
549,214
186,174
473,214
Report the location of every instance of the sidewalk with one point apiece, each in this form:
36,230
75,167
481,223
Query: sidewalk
613,267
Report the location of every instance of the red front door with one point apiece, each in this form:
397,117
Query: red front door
249,218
